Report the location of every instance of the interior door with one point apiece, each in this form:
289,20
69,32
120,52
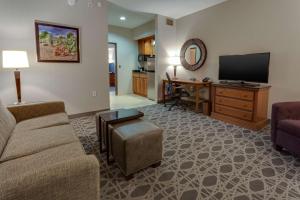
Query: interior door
112,65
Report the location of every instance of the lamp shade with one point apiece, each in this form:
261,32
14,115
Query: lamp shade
174,60
15,59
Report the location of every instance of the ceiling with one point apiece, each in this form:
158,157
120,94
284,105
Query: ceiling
170,8
133,18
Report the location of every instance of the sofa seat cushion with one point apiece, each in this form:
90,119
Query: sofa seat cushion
35,141
7,125
290,126
42,122
18,167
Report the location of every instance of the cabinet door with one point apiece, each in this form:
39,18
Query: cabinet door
135,84
141,47
138,85
148,47
145,87
141,86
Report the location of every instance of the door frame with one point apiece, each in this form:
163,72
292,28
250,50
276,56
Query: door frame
116,66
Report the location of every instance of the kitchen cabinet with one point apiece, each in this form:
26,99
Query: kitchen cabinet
146,46
140,84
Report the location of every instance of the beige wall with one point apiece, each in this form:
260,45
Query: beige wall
127,56
250,26
165,45
72,83
145,30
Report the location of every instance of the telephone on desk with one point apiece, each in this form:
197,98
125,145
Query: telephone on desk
206,79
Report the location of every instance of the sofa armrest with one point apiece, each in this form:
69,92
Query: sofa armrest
281,111
29,111
76,179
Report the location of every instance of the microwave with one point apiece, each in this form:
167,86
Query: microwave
143,58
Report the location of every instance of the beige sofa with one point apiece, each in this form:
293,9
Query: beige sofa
41,158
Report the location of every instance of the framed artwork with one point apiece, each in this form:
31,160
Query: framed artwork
57,43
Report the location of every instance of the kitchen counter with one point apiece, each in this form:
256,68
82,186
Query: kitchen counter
139,72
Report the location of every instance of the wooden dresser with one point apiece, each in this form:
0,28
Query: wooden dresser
243,106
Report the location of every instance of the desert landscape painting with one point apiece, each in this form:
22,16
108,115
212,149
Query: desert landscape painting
57,43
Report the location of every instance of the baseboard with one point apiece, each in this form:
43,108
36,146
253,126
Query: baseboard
86,113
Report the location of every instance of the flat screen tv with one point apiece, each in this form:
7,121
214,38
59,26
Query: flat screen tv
248,68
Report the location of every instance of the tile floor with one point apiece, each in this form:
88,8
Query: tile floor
128,101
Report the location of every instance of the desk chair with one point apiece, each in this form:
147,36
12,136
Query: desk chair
176,92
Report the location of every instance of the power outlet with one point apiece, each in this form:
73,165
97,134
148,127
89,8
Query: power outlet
94,93
90,4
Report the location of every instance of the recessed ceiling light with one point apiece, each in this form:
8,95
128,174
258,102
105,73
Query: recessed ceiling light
122,18
72,2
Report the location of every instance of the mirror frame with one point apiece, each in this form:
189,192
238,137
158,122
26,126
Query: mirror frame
202,47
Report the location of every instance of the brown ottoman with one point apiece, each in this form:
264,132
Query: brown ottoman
136,144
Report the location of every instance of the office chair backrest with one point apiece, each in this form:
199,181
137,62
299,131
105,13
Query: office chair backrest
170,85
168,77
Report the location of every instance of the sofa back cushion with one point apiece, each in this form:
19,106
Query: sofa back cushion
7,125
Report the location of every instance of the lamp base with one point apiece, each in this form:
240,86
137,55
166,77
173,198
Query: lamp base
175,71
18,84
20,103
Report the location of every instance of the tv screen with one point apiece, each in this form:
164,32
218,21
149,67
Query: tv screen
250,67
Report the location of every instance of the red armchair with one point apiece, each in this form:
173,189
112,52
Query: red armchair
285,126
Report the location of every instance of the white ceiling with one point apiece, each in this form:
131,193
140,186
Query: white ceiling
170,8
133,18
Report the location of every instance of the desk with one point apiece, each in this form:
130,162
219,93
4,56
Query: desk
197,84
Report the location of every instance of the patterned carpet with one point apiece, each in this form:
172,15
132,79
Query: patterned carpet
203,159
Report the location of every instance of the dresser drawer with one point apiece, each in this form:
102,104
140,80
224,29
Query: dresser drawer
245,105
233,112
234,93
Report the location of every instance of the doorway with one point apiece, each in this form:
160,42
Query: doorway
113,69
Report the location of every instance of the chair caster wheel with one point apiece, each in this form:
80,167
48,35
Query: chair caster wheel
278,148
129,177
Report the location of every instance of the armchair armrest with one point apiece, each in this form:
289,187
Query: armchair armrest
75,179
281,111
29,111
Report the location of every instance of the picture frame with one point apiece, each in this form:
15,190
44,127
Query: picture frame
57,43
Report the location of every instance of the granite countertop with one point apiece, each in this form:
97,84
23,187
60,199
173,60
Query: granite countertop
140,72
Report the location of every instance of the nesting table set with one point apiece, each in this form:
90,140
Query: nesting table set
133,142
109,118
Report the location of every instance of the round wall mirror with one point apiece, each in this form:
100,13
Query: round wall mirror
193,54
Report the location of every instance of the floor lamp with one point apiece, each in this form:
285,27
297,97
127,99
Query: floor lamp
16,60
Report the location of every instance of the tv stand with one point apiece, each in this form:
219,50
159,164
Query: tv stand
241,104
240,83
